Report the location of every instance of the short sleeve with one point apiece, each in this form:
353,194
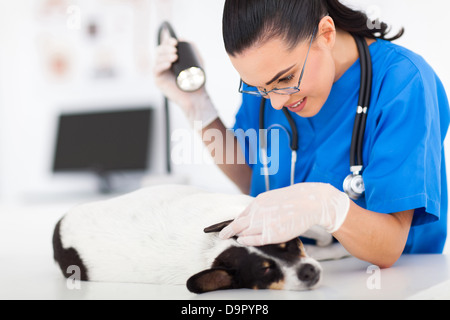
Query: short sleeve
405,150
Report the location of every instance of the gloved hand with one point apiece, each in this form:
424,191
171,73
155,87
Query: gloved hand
197,106
284,214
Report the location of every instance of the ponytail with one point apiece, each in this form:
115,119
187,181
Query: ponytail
357,22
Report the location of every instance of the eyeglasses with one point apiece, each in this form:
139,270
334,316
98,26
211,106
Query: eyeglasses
255,91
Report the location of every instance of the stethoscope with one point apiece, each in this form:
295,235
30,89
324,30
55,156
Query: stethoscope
354,183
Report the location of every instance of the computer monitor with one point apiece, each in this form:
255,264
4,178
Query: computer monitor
103,142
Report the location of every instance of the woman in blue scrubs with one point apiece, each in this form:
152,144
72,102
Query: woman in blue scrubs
309,44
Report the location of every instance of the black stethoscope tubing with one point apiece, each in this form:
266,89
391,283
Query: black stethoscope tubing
356,148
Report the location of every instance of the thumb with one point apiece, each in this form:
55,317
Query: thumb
166,38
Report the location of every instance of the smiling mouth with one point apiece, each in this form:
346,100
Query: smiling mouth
293,106
298,106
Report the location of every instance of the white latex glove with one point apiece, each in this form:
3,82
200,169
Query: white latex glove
284,214
197,105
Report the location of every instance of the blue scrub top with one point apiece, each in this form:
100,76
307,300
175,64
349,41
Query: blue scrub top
403,146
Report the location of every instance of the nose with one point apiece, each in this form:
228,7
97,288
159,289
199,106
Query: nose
309,274
278,101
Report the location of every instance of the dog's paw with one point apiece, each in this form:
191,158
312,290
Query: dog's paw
334,251
322,238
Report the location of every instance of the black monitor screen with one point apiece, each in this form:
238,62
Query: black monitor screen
103,141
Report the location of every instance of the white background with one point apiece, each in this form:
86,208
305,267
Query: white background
31,100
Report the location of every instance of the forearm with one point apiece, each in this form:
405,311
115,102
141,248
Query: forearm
227,154
374,237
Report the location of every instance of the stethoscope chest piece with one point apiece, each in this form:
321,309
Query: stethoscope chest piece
354,186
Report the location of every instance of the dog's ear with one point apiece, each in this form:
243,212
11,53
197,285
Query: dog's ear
210,280
217,227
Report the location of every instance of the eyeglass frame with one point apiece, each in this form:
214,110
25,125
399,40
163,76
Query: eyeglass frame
296,89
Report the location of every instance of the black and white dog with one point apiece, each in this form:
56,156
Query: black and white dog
156,235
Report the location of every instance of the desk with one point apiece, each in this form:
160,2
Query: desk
27,271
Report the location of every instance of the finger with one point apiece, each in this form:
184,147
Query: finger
234,228
162,62
241,223
165,54
161,68
171,58
252,241
249,209
254,226
166,38
165,49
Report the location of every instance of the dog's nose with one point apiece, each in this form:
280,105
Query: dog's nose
309,274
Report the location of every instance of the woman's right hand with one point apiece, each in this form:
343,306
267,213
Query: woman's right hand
166,55
196,105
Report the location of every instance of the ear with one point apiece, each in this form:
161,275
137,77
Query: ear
218,227
210,280
327,30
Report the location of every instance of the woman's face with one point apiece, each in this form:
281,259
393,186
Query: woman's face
273,65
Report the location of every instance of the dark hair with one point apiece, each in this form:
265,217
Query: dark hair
247,22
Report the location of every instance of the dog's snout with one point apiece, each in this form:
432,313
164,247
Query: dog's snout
309,274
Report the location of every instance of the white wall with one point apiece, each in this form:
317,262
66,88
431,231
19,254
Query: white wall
30,102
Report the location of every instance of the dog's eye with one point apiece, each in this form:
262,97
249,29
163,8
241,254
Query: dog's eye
267,266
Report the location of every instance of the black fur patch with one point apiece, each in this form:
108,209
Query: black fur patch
67,257
250,270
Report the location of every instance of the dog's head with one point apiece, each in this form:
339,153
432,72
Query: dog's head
281,267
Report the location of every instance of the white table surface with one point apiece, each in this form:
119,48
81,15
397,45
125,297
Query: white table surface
27,271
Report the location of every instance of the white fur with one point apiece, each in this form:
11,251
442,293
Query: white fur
154,235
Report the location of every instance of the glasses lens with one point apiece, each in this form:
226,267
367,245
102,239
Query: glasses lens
249,90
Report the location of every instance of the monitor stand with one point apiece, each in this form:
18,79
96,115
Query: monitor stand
105,185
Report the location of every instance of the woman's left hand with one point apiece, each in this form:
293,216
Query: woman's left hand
284,214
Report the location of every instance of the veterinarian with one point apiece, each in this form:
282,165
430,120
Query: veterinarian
302,57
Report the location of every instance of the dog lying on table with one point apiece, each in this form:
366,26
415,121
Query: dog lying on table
156,235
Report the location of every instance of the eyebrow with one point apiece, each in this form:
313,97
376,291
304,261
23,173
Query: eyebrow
279,74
